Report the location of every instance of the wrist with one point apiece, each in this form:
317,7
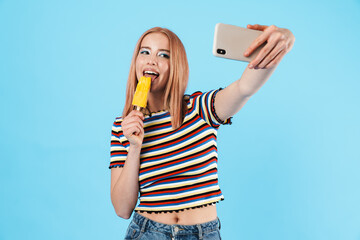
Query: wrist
135,147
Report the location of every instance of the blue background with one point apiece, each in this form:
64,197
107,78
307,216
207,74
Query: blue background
288,166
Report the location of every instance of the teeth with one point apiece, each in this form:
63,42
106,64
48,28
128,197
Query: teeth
152,73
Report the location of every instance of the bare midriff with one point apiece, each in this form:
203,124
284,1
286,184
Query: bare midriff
186,217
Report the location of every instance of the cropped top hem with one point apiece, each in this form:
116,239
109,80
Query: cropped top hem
179,210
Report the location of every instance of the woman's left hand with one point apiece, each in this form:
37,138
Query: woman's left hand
279,42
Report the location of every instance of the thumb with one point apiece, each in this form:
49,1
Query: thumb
257,27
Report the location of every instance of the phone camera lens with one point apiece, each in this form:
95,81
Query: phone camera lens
221,51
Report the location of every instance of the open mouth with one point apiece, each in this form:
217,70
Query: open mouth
153,75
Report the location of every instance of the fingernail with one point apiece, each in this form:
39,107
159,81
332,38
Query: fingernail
251,66
246,53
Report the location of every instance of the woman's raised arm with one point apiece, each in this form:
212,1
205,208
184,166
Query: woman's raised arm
279,42
125,181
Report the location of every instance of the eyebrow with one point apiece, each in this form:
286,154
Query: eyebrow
162,50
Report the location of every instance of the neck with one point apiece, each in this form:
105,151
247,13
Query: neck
156,102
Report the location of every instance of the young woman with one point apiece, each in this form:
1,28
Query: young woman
169,154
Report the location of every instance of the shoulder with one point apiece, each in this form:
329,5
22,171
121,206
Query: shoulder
118,120
201,95
189,97
193,95
117,124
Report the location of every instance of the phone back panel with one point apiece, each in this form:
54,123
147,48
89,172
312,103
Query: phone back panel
231,42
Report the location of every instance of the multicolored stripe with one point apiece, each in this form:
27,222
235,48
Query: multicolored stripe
178,168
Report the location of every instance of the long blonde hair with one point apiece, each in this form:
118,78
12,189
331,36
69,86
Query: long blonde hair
178,78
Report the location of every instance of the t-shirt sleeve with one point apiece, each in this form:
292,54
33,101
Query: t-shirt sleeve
204,103
118,151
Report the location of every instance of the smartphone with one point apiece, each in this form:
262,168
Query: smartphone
232,41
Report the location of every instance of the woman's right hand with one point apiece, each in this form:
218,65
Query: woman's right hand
133,128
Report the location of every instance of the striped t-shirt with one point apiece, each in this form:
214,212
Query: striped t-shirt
178,168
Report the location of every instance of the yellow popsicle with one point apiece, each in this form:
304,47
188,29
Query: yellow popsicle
141,93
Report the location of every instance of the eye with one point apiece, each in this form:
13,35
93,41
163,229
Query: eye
164,55
145,52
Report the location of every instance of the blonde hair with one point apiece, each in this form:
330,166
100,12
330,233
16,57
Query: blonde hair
178,78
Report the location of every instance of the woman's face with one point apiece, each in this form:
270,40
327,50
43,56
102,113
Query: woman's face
153,60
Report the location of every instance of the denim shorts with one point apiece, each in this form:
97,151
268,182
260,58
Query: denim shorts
142,228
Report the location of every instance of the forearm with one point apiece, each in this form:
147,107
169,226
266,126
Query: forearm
124,193
252,80
233,98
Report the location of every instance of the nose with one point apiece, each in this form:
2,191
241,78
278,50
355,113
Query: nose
152,60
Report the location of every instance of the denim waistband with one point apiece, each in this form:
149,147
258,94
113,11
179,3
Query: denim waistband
146,223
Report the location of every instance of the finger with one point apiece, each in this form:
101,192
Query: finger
134,118
262,54
137,113
142,132
257,43
137,130
132,113
257,27
274,52
265,36
276,60
131,125
132,129
140,114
